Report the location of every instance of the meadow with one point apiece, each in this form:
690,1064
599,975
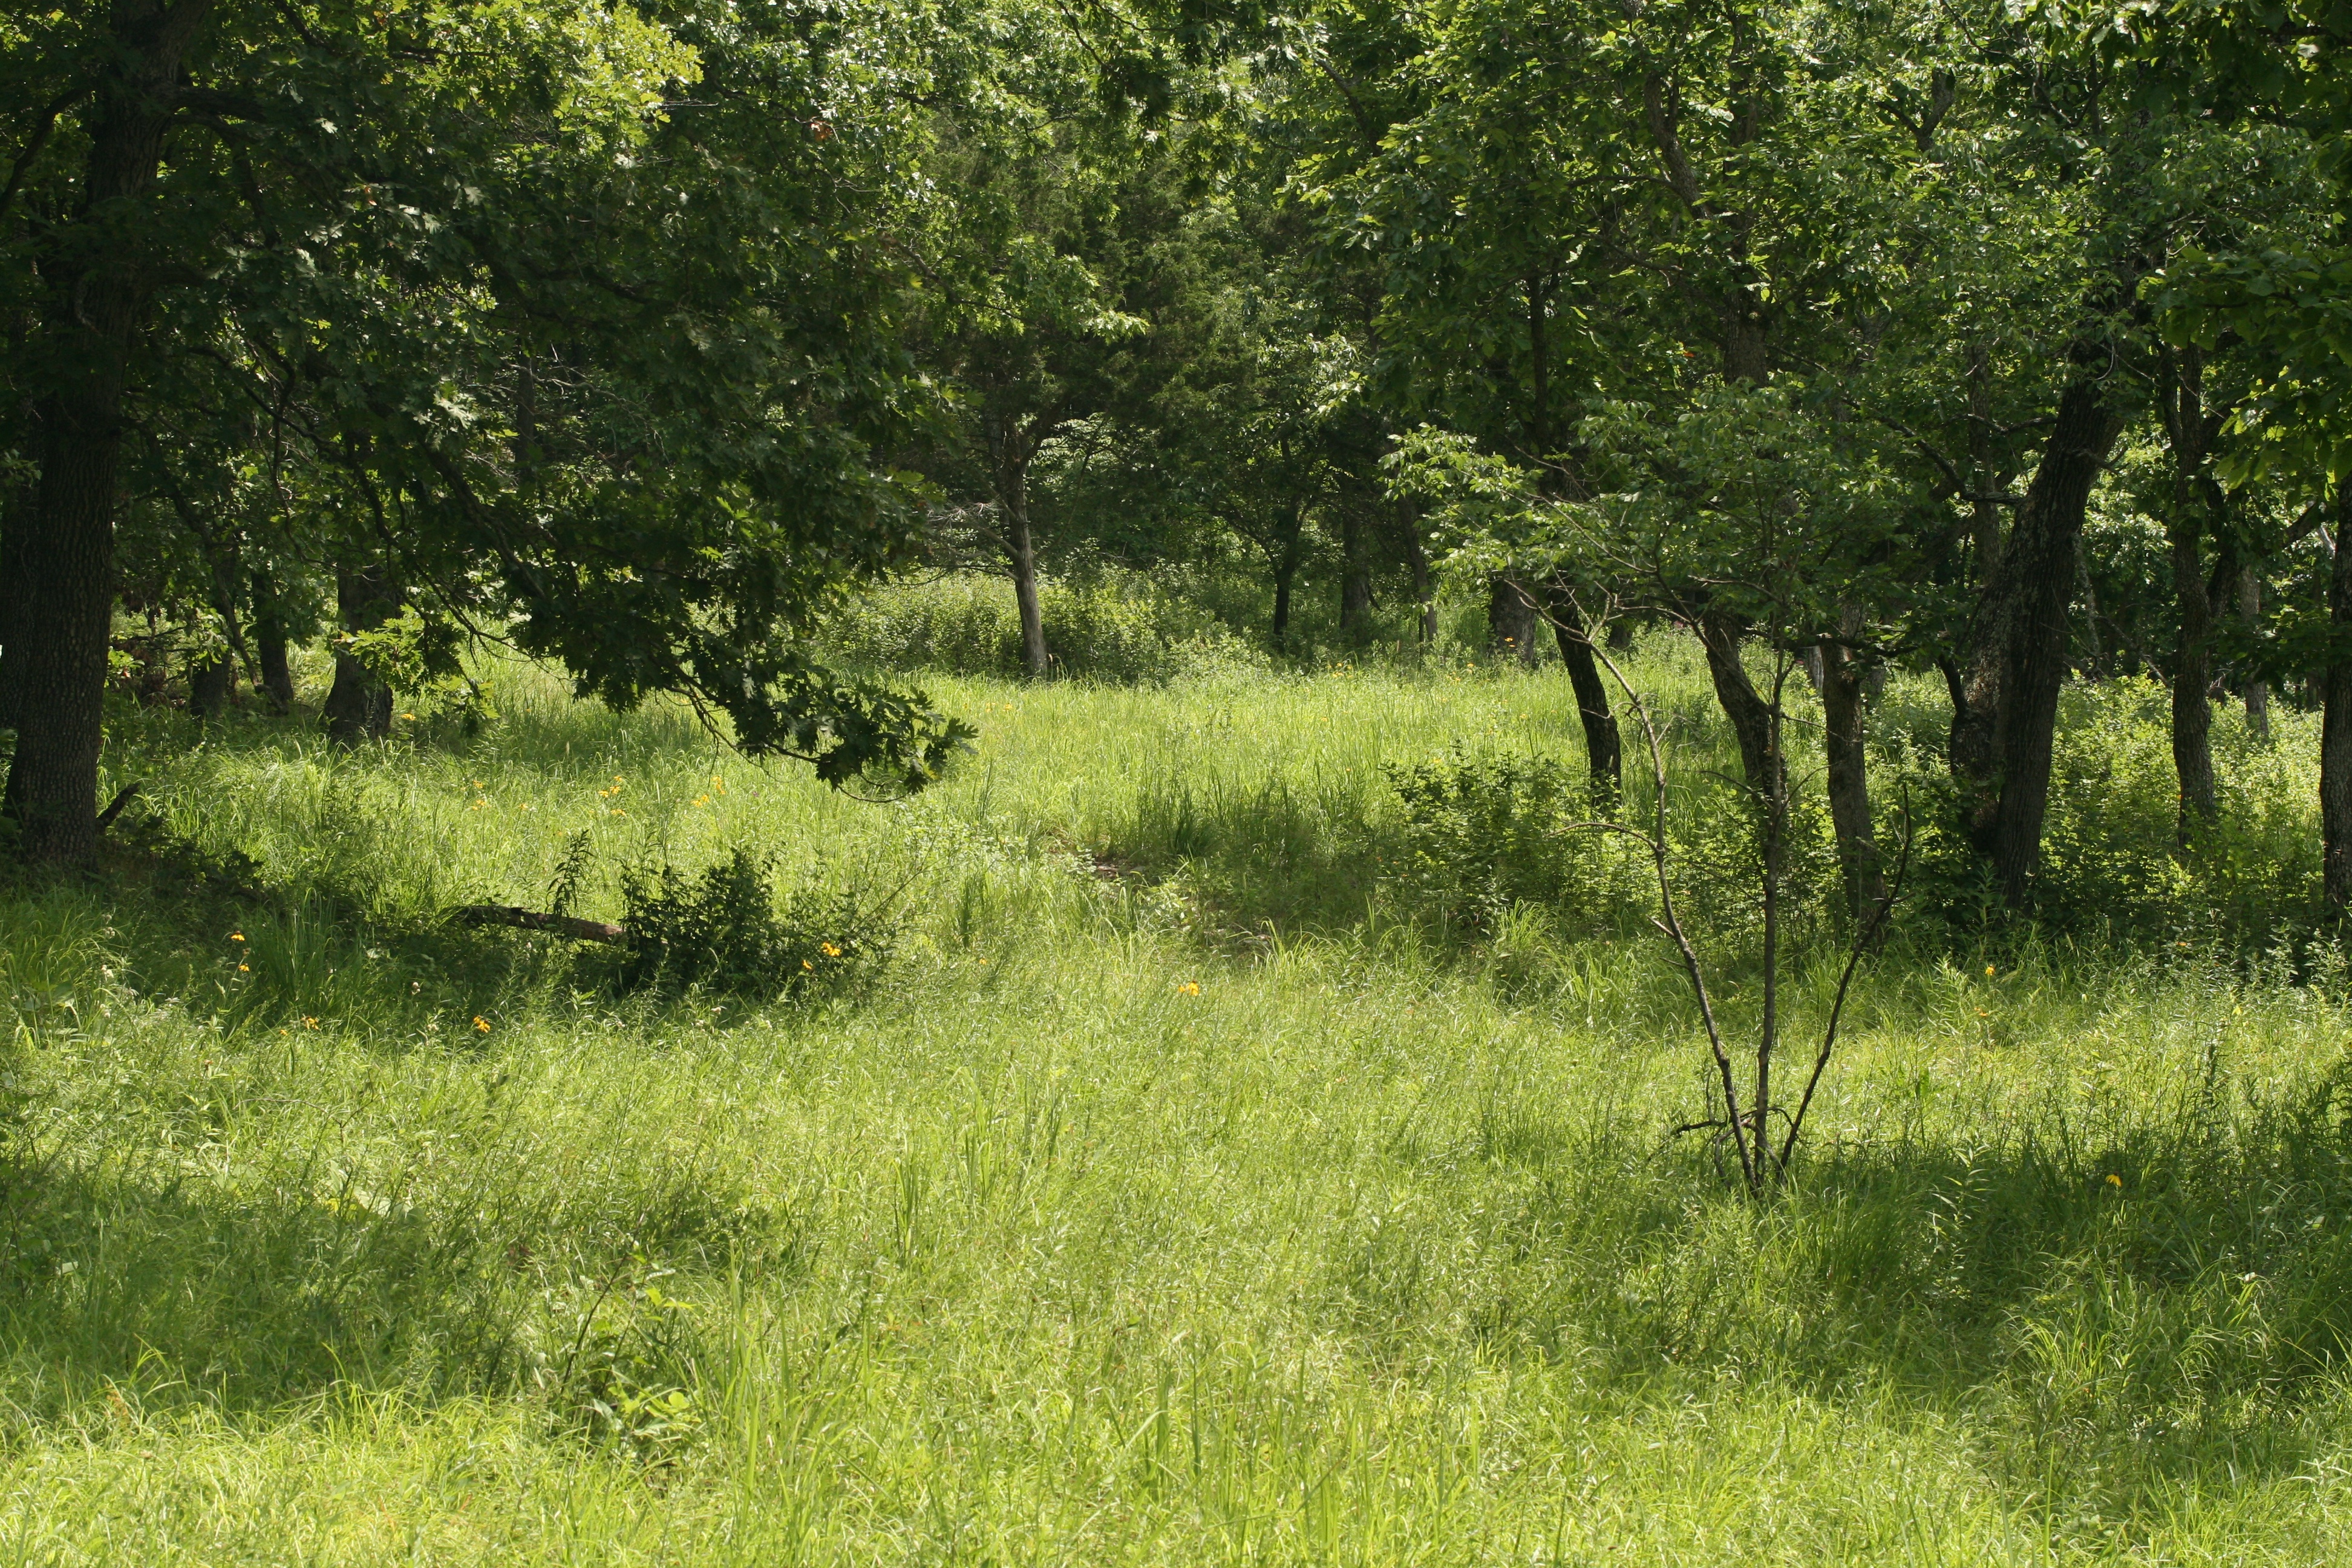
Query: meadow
1180,1191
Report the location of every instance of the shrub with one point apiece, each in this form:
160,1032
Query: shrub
1482,834
723,928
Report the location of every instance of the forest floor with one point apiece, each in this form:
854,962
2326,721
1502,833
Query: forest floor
1172,1199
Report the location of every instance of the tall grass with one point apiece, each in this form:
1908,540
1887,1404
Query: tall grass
1185,1196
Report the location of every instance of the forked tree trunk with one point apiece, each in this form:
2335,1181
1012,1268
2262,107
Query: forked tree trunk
2336,724
1845,731
96,297
1603,746
359,705
2005,697
1020,554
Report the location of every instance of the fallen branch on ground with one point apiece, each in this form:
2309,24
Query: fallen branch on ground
537,920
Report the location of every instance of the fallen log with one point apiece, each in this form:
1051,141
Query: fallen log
536,920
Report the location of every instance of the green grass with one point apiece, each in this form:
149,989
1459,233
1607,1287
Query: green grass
1371,1249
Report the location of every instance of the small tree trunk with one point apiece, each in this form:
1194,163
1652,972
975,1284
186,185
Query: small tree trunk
1020,551
2258,691
1751,717
1843,732
1355,580
1009,448
2336,723
2185,528
211,685
358,706
275,674
1424,590
1603,746
1511,620
15,596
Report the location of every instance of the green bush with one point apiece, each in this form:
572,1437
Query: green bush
724,928
1483,835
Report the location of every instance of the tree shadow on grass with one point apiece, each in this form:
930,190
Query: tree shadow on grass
246,1288
2119,1314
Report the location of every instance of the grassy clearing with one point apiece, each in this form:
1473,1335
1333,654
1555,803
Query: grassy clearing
1180,1199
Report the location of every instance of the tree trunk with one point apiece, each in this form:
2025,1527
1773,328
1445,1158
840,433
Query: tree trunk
358,706
1020,551
1751,717
15,595
1511,621
96,297
1844,730
2002,731
1603,747
2190,434
211,685
1009,452
1355,580
1425,589
2257,689
1286,573
2336,723
275,673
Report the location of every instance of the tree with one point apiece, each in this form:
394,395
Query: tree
599,371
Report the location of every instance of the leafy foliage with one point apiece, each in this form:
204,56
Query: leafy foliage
724,928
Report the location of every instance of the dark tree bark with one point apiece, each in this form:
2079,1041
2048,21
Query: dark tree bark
1284,561
2335,723
1012,445
2191,429
211,685
275,674
1512,622
1424,587
2005,699
1720,634
97,295
1845,728
1355,578
15,596
359,705
1603,746
2257,689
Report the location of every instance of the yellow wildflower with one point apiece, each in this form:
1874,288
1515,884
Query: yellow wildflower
237,936
830,951
481,1025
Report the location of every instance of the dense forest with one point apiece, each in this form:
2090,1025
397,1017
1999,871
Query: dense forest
1155,781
